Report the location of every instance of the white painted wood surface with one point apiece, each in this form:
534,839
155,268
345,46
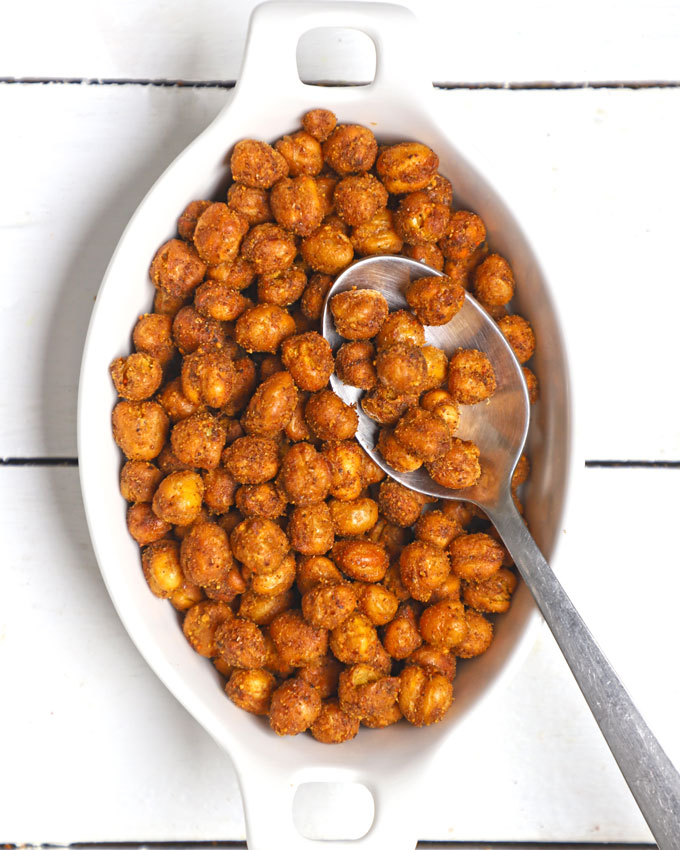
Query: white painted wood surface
92,747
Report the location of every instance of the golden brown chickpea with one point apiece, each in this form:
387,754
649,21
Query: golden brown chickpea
138,480
494,283
215,300
220,487
353,518
297,429
207,377
377,602
493,595
372,473
430,657
237,275
251,203
302,152
186,596
395,454
464,234
206,556
227,590
428,254
243,385
423,568
407,167
385,718
319,123
471,376
377,235
174,402
364,692
177,269
443,624
240,643
218,234
437,368
200,623
346,464
165,304
317,570
323,674
190,330
459,467
263,328
295,706
269,248
354,364
401,637
421,220
519,335
328,605
442,405
439,189
305,477
281,288
385,406
333,725
532,384
297,204
329,418
359,197
260,544
359,313
327,250
309,359
479,637
274,663
400,327
143,524
435,528
424,695
277,582
355,641
263,500
297,641
314,295
271,407
462,512
252,460
198,440
153,335
462,269
178,497
251,690
310,529
401,367
350,148
168,461
140,428
423,434
256,164
186,223
263,610
475,557
435,300
399,505
391,537
327,184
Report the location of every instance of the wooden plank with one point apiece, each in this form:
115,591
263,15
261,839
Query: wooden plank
495,41
120,760
577,166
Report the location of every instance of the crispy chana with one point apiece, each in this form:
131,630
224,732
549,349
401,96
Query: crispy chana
153,335
426,253
399,505
168,461
237,275
401,636
395,454
493,595
257,164
305,477
475,557
437,367
186,596
271,406
206,556
401,367
443,624
328,605
385,718
360,559
263,500
519,335
281,288
407,167
260,544
391,537
377,235
400,327
323,673
269,248
312,300
442,405
207,377
354,364
463,236
327,250
240,643
198,440
350,148
264,609
138,480
297,641
377,602
479,636
532,384
297,204
177,269
439,189
423,568
178,497
296,429
315,571
278,581
168,305
252,459
494,283
251,690
218,234
251,203
333,725
309,359
433,658
437,529
424,695
359,313
190,330
216,300
263,328
227,590
310,529
385,406
302,152
295,706
329,418
423,434
346,464
372,473
471,376
421,220
186,223
435,300
244,380
144,525
353,518
200,622
462,512
364,692
359,197
319,123
355,640
459,467
139,428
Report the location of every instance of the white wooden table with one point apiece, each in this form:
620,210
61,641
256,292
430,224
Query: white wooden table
93,749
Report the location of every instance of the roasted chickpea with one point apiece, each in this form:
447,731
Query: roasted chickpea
319,123
218,234
442,405
143,524
385,718
391,537
423,568
372,473
359,197
359,313
353,518
329,418
186,223
463,236
437,529
407,167
198,440
165,304
269,248
459,467
310,529
377,602
430,657
315,571
398,504
400,327
177,269
479,636
423,434
355,640
420,220
153,335
138,480
519,335
328,605
395,454
207,377
297,641
168,461
263,610
237,275
263,500
448,589
251,203
327,184
492,595
350,148
471,376
323,674
215,300
401,637
257,164
305,477
327,250
314,295
401,367
251,690
186,596
435,300
140,428
178,497
385,406
364,692
333,725
190,331
297,429
297,204
295,706
277,582
443,624
354,364
252,460
200,622
362,560
263,328
437,368
377,235
346,463
260,544
426,253
475,557
439,189
281,288
271,406
206,556
424,695
309,359
244,380
302,152
220,487
494,283
461,512
240,643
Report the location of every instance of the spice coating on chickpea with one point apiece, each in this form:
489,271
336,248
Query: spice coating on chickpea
353,518
269,248
443,624
398,504
396,455
329,418
420,220
271,406
471,376
359,313
333,725
139,428
263,500
494,283
314,295
436,659
251,690
305,477
263,328
297,204
298,641
423,568
350,148
178,497
143,524
493,595
401,637
257,164
426,253
327,250
407,167
364,692
400,326
359,197
302,152
423,434
360,559
384,405
252,459
459,467
424,695
198,440
328,605
200,622
377,235
295,705
138,480
218,234
190,330
153,335
354,364
475,557
519,335
310,529
436,528
177,269
240,643
137,376
401,367
463,236
435,300
319,123
309,359
259,543
355,640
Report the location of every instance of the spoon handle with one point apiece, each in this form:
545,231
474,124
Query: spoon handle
651,776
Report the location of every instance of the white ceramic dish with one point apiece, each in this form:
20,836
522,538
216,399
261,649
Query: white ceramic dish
268,102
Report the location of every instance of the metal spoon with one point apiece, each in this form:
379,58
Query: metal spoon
499,428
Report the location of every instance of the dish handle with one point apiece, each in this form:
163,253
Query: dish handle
269,65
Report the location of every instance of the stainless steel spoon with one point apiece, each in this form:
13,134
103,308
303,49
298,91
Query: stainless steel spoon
499,427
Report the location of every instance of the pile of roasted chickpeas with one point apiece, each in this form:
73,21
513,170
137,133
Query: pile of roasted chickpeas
327,594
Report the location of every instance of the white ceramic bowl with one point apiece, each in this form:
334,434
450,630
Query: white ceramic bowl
267,102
